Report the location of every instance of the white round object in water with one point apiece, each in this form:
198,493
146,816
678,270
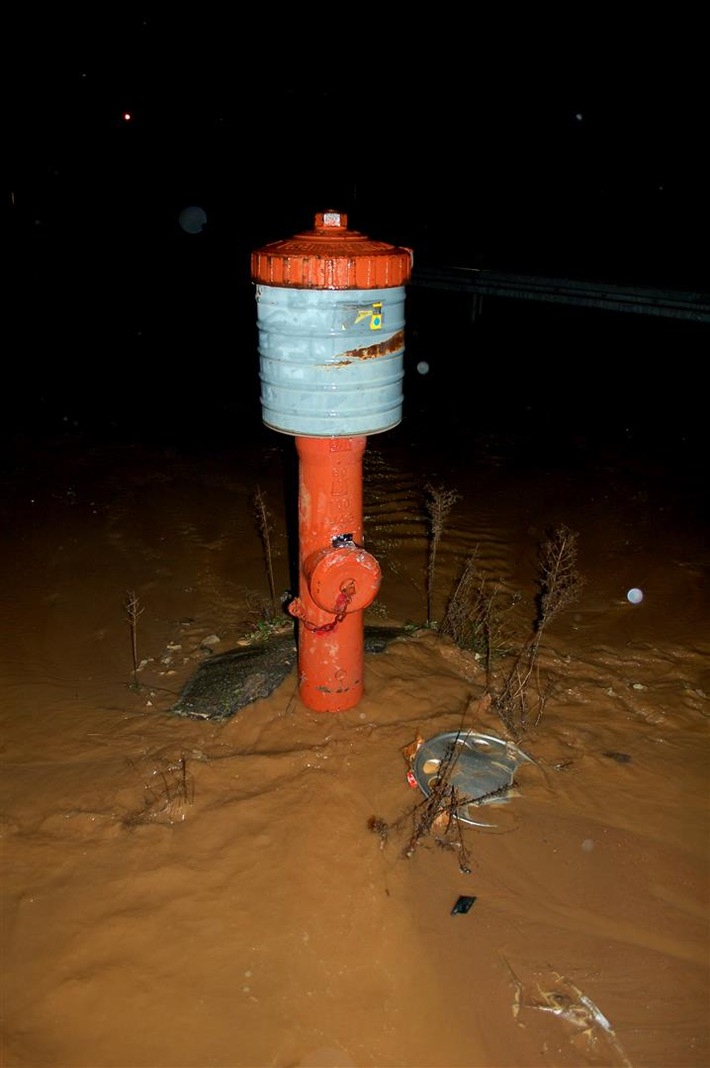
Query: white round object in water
423,367
635,596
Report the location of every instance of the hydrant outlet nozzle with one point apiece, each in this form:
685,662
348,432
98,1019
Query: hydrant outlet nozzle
346,575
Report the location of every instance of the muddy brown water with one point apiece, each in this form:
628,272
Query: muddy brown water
182,892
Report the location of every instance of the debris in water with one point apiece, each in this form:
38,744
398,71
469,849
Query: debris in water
463,905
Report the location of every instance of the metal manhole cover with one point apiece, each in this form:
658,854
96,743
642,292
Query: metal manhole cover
477,766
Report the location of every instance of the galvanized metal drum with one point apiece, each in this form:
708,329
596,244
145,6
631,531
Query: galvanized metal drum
330,316
331,362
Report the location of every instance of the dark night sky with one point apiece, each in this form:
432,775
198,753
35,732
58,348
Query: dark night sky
567,149
574,149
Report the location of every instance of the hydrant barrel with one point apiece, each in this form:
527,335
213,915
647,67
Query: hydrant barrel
335,587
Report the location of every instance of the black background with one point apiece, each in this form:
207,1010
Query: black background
550,146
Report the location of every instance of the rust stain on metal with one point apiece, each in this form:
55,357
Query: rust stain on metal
372,352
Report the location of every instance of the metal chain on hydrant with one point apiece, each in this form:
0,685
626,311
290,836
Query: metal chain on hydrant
341,607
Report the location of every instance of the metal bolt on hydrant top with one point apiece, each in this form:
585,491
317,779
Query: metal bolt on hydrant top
330,314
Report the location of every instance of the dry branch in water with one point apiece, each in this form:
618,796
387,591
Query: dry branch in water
438,502
560,582
133,609
436,815
560,586
265,528
458,622
166,798
475,615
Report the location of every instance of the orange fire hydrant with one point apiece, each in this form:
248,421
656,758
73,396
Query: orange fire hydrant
331,344
338,579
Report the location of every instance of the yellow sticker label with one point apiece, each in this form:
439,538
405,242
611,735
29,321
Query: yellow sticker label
373,313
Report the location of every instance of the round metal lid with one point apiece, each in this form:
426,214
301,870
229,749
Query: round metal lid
331,257
480,767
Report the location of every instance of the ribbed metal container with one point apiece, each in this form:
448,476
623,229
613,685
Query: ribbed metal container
330,316
324,370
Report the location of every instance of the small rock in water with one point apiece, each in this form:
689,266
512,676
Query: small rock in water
620,758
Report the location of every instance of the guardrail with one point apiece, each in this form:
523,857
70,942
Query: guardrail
667,303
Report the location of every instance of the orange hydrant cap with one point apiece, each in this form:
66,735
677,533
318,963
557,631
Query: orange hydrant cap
331,257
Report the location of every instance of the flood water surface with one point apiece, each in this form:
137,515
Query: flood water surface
264,890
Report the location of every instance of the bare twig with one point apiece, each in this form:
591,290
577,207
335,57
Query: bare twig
475,615
560,586
133,609
165,799
438,502
265,527
436,815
